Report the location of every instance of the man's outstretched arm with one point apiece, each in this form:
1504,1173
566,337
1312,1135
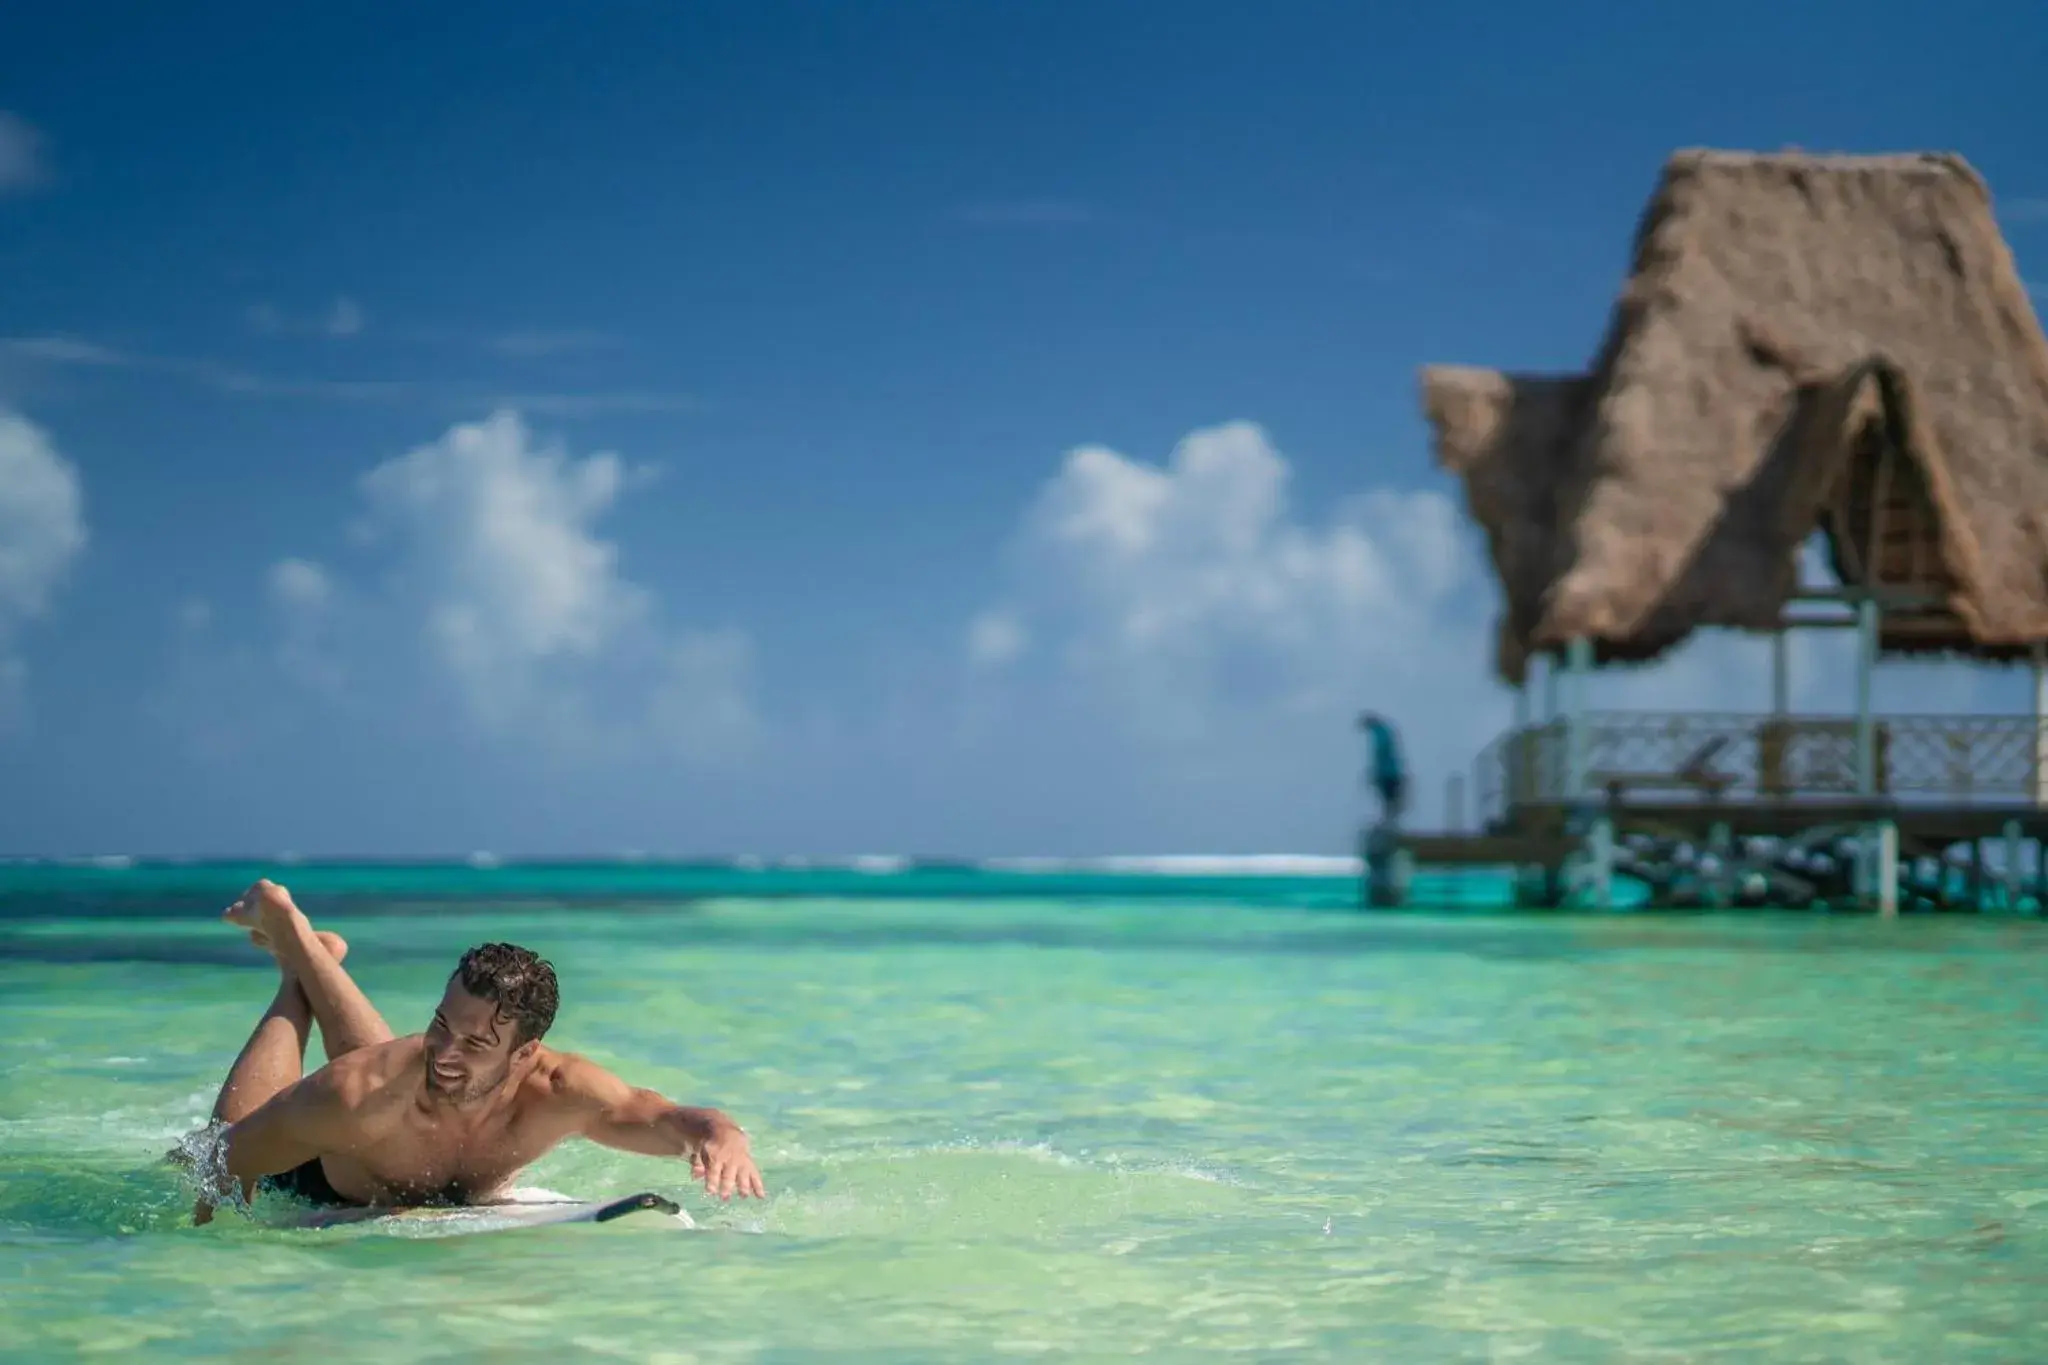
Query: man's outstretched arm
635,1120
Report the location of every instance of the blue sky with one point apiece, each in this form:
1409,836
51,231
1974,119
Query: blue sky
928,428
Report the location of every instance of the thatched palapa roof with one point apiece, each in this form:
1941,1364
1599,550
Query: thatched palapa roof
1789,322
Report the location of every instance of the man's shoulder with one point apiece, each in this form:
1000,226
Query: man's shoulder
357,1076
565,1077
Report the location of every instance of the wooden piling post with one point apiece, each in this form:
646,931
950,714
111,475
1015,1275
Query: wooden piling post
1721,845
2013,885
1887,869
1870,880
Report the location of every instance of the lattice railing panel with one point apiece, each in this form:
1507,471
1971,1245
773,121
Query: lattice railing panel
1932,759
1963,756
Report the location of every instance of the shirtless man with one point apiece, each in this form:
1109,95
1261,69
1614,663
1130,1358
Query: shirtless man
446,1116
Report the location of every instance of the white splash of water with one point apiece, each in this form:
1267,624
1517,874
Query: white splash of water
203,1156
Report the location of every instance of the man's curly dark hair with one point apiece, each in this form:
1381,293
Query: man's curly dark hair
521,983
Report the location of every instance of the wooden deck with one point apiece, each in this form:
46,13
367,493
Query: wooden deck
1705,808
1923,823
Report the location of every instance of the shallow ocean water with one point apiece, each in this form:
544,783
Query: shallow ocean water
1089,1118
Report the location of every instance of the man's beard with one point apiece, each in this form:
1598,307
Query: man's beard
471,1089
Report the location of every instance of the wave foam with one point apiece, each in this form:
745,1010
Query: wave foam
1187,865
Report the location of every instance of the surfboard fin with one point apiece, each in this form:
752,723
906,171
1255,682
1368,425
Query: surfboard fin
635,1203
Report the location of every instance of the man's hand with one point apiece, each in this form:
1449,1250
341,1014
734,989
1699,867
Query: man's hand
724,1161
630,1119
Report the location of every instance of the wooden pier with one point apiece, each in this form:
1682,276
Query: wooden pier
1721,810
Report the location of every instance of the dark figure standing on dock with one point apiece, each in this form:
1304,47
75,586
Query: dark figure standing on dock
1380,848
1388,776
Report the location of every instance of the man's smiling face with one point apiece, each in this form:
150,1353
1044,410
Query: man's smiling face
470,1047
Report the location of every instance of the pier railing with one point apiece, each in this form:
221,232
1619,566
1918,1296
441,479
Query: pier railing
1684,756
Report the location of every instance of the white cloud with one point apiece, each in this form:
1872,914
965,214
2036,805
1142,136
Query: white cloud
304,595
194,614
42,531
1191,592
701,705
524,605
534,342
466,395
345,318
62,350
21,155
300,585
342,318
501,527
996,638
42,520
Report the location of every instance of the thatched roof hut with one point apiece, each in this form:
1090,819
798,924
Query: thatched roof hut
1804,341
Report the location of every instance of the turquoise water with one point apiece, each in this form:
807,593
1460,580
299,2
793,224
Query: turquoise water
1079,1115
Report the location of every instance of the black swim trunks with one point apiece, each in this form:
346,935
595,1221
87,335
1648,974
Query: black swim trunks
308,1182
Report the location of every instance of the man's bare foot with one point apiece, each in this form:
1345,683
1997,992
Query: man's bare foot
261,906
333,942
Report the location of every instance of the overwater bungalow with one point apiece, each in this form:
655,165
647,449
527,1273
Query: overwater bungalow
1805,344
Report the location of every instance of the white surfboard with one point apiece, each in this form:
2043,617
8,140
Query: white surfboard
526,1209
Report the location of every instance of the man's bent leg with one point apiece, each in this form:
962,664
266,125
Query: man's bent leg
346,1017
273,1057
